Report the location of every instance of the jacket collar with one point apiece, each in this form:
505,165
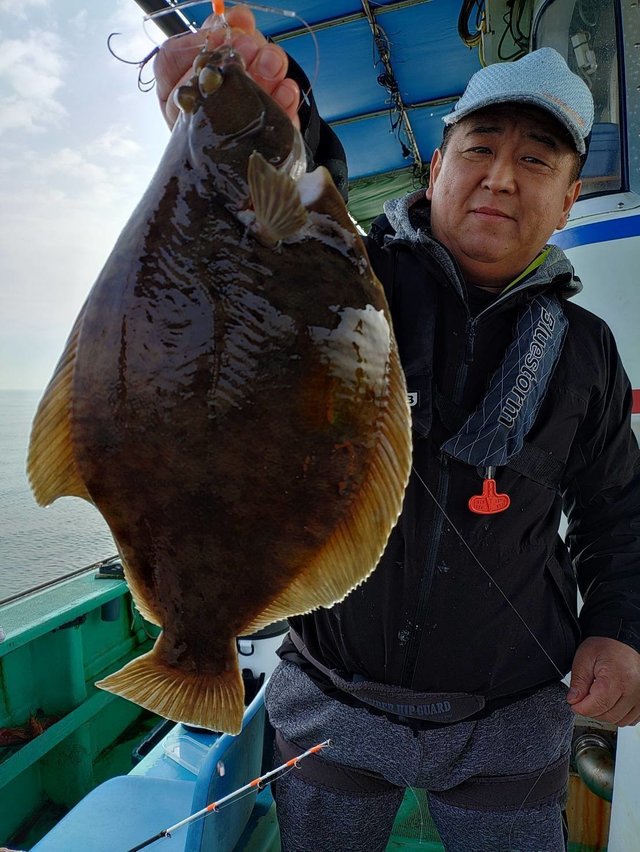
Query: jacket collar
410,218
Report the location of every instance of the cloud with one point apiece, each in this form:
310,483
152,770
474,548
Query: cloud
31,69
80,21
23,9
17,113
69,162
116,142
78,146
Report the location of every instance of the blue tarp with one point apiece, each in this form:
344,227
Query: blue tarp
429,61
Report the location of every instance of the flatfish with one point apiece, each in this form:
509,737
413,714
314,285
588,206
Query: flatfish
230,398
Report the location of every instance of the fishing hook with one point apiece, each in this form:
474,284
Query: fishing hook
143,85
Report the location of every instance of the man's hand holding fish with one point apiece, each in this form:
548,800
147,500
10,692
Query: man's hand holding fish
265,62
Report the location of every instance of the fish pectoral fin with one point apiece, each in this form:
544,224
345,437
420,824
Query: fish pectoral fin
213,701
51,464
276,201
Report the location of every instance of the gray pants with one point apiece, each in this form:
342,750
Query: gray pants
522,738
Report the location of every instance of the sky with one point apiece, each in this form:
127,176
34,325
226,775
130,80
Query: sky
78,146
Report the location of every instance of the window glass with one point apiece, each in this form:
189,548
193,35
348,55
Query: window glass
584,32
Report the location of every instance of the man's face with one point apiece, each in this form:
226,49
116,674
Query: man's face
502,187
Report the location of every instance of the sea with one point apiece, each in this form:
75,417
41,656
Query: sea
39,545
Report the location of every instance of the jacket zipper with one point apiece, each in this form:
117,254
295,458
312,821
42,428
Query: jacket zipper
413,648
470,341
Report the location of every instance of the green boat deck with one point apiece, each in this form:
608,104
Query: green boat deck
58,642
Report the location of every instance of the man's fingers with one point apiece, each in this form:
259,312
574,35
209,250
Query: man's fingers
174,61
287,96
241,18
631,718
266,63
600,701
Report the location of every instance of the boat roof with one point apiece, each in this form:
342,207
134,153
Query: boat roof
384,74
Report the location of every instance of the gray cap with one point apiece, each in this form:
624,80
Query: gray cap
542,79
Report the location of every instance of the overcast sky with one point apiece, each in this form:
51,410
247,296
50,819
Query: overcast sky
78,145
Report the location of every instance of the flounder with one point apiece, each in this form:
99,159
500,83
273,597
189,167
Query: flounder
230,398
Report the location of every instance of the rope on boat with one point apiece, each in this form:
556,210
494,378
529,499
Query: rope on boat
257,783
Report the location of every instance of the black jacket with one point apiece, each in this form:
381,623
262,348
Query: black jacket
487,604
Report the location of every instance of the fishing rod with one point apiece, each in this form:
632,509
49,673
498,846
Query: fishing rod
256,784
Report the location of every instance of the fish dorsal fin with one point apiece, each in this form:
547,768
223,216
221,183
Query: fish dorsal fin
51,463
276,201
355,548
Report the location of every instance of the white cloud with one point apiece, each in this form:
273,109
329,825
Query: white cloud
79,146
69,162
19,113
80,22
24,8
31,69
116,142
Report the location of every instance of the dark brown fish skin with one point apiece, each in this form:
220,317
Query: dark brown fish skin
217,426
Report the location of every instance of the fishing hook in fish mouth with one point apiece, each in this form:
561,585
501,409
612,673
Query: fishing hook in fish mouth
143,85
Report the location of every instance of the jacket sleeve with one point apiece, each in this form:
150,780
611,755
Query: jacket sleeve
602,503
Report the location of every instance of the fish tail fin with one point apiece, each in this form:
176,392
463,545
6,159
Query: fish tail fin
213,701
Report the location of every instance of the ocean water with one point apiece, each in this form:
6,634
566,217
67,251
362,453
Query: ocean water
38,545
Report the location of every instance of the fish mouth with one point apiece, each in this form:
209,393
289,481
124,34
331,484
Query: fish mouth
209,69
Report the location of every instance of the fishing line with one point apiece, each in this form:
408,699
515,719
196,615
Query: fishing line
143,85
526,626
220,21
410,787
487,573
550,760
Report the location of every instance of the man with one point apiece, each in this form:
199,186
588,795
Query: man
444,669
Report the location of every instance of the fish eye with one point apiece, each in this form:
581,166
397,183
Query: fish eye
201,61
210,79
186,98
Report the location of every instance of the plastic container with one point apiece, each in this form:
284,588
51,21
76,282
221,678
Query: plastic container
185,750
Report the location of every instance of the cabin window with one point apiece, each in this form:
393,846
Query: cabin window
584,32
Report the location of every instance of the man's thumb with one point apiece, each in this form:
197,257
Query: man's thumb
581,680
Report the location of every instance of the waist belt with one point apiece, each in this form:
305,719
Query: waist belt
497,792
395,700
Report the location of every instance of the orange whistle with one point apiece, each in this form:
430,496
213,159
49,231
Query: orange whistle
489,502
